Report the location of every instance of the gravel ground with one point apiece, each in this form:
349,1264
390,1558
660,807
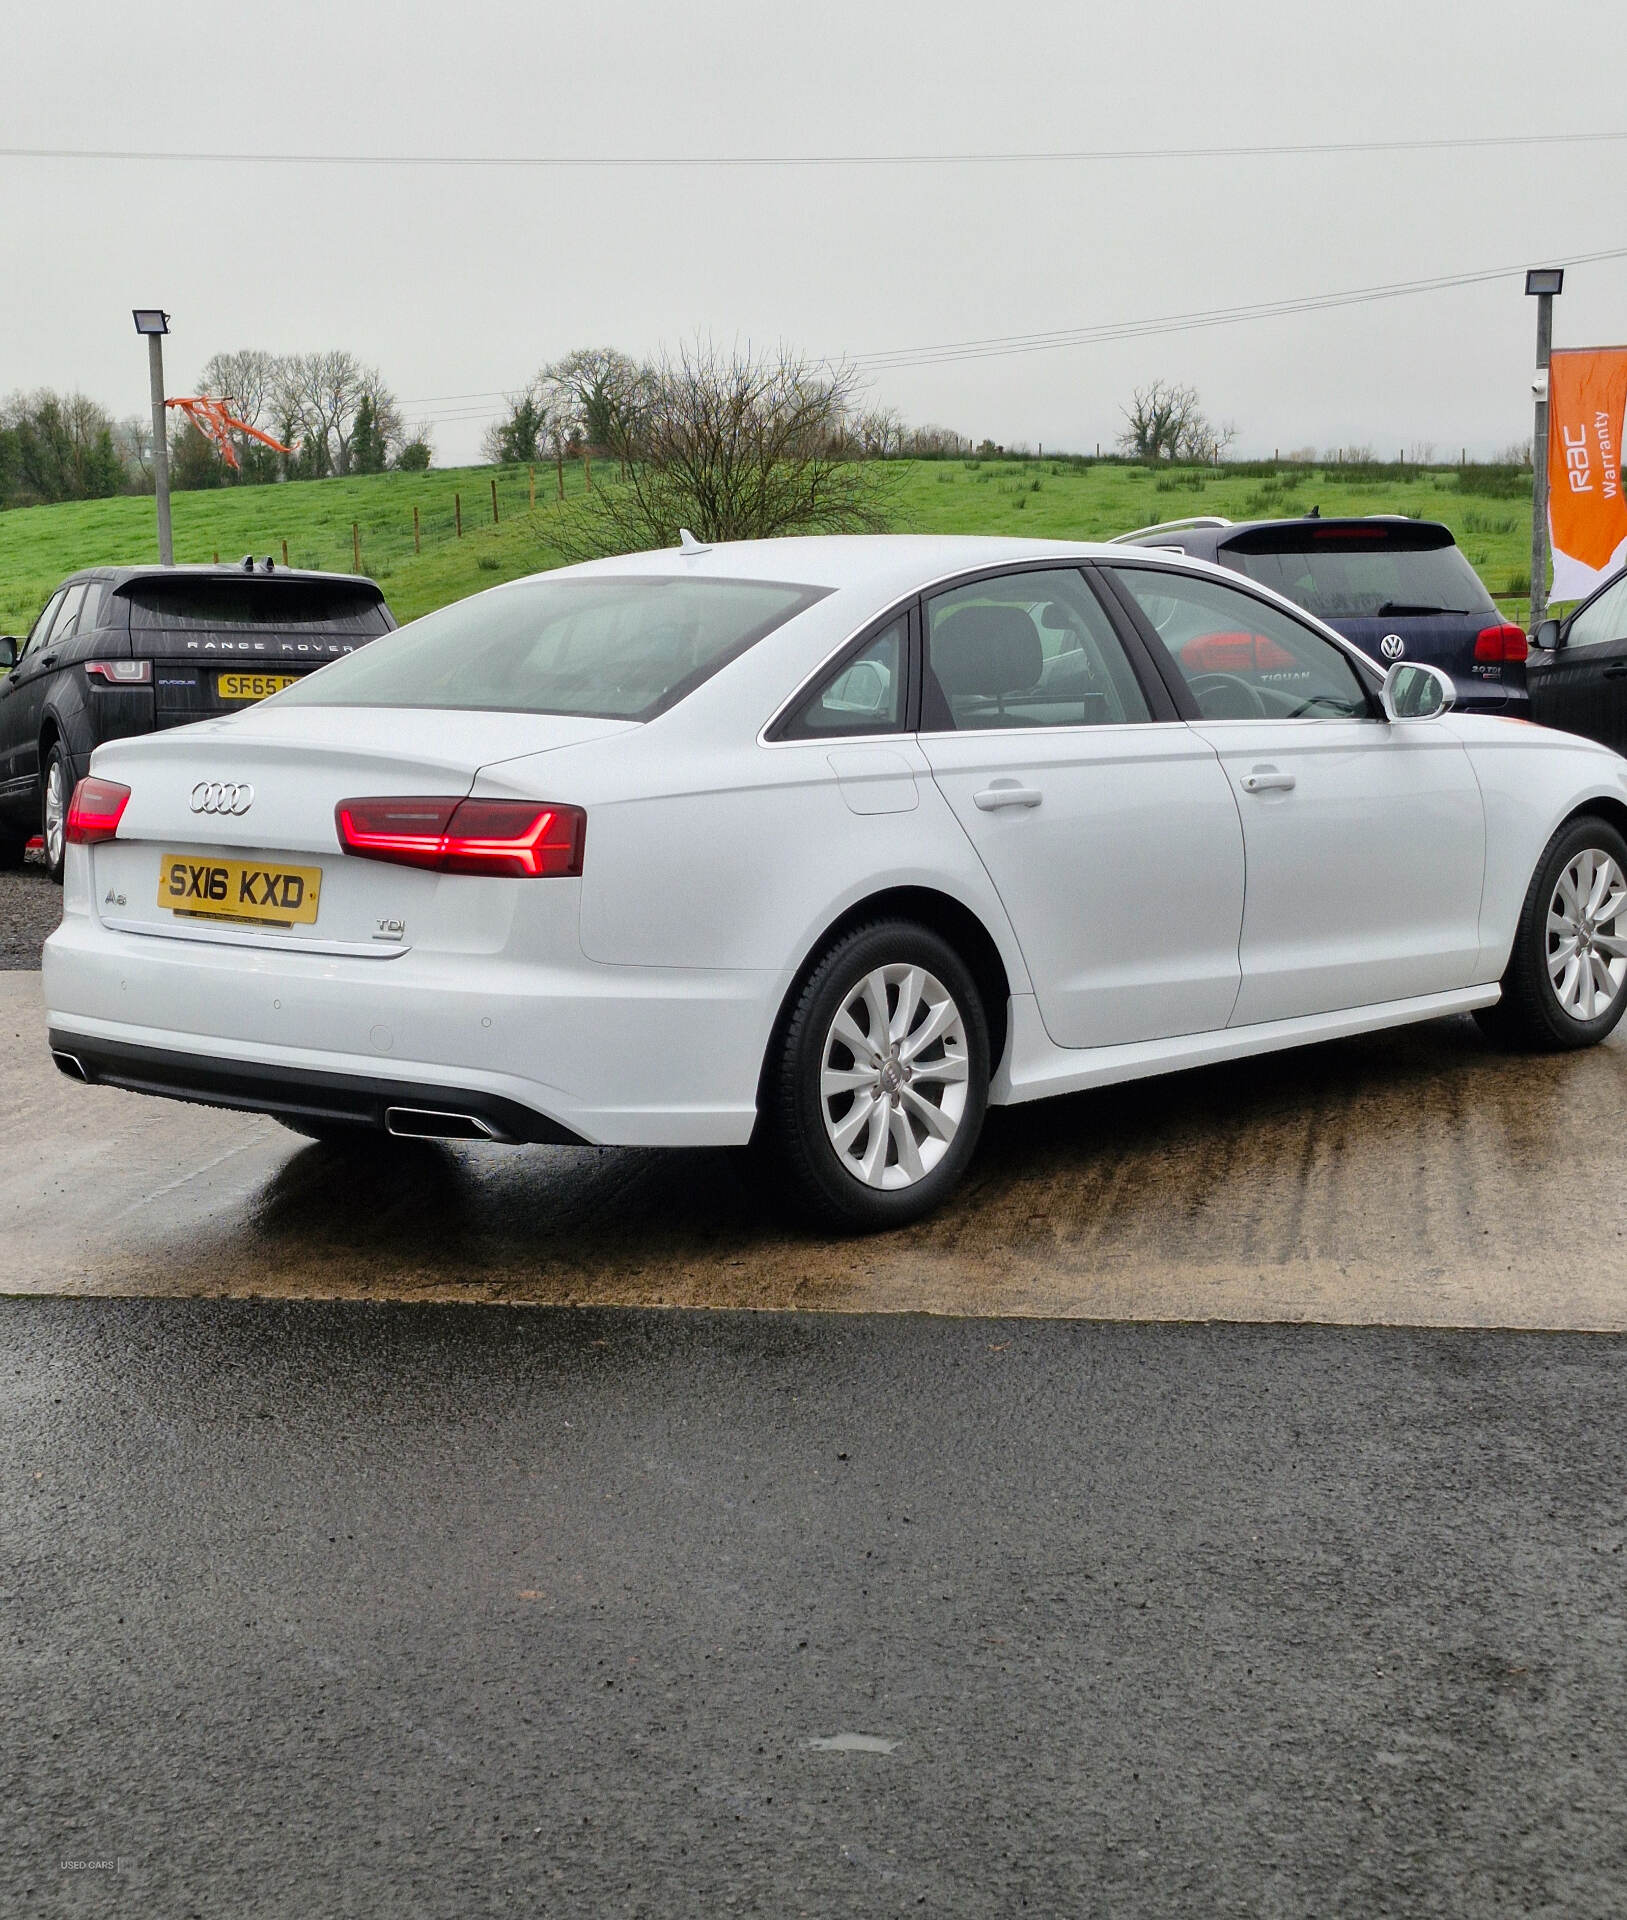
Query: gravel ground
30,907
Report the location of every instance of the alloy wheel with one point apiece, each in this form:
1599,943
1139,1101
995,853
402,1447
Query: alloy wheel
55,822
893,1076
1586,951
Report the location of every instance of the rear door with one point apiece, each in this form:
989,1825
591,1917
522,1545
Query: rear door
17,797
33,675
1365,842
1105,823
1582,687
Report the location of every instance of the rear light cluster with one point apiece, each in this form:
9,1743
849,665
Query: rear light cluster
522,839
1506,643
95,810
120,673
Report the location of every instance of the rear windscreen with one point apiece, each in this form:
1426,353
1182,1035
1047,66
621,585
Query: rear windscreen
287,605
617,649
1340,574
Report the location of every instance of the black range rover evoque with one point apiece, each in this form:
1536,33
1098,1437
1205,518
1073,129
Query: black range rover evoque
123,650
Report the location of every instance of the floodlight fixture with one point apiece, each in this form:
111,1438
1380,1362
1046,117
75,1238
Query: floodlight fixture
150,319
1549,280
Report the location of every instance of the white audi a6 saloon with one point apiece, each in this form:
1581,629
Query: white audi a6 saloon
822,845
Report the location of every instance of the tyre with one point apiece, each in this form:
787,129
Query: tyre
56,790
875,1095
1566,981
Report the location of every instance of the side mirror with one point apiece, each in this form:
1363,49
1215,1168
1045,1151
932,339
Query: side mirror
8,652
1413,691
1548,637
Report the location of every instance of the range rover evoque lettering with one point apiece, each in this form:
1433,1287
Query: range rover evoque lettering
131,650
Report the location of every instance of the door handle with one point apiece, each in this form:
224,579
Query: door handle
1616,672
1267,780
48,660
1010,795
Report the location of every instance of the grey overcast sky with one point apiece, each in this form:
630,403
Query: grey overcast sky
462,281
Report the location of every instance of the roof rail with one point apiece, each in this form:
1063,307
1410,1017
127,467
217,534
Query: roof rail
1172,526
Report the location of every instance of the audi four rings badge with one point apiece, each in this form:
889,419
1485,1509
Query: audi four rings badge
1392,646
222,796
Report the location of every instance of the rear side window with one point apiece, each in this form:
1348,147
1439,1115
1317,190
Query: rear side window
183,605
864,695
1338,573
612,648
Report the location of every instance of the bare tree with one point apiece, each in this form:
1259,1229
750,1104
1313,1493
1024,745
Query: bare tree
1159,418
246,380
590,398
735,446
321,394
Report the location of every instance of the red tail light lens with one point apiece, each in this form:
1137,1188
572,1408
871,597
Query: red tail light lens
520,839
120,673
95,810
1501,643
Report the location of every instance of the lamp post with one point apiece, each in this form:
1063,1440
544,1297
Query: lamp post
154,323
1542,283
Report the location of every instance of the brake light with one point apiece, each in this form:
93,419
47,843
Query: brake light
1505,642
520,839
120,673
95,810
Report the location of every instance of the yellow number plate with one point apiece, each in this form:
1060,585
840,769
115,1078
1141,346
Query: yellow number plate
252,686
239,890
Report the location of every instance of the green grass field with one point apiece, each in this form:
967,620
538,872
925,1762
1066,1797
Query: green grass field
1039,498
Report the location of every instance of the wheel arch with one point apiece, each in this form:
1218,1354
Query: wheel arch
1606,806
944,915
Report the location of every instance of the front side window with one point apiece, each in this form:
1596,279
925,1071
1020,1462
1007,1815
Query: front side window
1602,619
864,695
42,626
1026,650
610,648
1242,659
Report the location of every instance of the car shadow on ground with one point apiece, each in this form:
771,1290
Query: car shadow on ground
1418,1137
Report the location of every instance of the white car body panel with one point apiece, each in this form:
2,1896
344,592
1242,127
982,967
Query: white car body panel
1365,876
1143,919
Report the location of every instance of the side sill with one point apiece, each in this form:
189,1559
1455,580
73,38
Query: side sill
1033,1068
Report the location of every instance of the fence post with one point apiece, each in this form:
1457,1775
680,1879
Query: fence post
587,469
531,474
494,499
356,544
217,556
457,512
559,462
285,553
417,542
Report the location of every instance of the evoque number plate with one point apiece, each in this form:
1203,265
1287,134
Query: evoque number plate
239,890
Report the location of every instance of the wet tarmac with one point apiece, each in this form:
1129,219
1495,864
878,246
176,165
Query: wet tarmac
1414,1178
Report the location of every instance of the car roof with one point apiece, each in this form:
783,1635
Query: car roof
1203,542
129,575
883,565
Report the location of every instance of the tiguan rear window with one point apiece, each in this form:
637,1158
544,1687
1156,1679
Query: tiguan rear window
617,649
287,605
1339,574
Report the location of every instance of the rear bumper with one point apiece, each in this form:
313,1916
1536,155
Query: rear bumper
404,1107
549,1050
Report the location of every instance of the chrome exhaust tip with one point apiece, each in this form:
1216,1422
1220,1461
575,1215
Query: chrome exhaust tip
70,1064
426,1123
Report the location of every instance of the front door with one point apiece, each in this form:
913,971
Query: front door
1110,834
1365,841
1582,687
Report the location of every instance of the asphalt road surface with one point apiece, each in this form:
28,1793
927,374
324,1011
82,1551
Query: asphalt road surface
333,1608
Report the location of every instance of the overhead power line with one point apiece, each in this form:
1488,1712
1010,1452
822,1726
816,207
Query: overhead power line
573,161
1004,344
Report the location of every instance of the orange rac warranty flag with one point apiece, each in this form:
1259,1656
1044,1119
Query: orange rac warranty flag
1587,517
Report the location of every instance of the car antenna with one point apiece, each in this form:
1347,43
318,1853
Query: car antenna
687,543
1315,513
